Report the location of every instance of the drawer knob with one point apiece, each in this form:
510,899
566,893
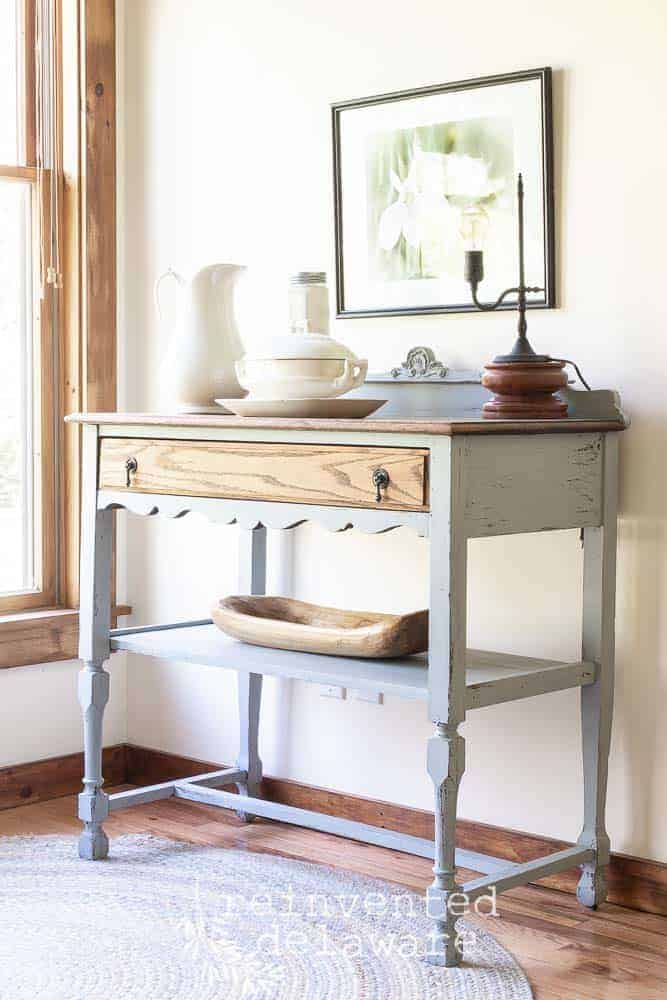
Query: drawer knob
131,467
380,482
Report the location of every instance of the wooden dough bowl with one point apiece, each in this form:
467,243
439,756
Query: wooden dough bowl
284,623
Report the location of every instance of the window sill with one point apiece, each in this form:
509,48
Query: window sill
32,637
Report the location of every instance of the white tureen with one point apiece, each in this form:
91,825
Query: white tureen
301,365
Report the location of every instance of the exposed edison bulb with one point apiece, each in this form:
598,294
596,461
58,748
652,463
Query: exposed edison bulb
473,228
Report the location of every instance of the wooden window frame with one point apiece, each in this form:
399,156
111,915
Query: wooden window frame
86,303
29,172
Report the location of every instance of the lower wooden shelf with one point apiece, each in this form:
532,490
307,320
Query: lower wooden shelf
491,678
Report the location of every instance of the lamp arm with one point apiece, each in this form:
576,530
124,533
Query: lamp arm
488,307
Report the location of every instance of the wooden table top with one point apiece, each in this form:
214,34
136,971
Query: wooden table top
448,426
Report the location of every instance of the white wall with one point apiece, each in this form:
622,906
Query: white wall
41,717
226,156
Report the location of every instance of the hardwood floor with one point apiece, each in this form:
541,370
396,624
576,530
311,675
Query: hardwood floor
567,952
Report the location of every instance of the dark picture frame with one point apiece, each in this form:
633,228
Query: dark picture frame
544,124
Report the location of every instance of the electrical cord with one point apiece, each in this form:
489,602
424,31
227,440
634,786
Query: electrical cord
581,378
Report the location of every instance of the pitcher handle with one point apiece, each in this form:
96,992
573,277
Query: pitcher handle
169,273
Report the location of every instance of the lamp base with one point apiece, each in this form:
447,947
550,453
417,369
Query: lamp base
524,390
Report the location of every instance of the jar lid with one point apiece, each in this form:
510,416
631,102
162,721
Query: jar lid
308,278
302,347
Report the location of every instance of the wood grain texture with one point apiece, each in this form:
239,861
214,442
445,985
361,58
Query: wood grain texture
284,623
304,473
30,638
29,83
72,332
637,883
567,952
88,253
44,636
85,31
634,882
375,424
98,220
99,192
43,780
525,391
50,415
11,172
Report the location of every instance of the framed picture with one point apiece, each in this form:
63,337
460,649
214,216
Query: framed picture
407,165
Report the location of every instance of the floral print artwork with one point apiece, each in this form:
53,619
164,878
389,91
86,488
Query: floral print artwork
419,181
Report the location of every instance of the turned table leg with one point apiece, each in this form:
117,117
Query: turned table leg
93,802
597,699
446,763
252,580
447,639
94,625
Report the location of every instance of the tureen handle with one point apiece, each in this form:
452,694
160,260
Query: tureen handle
353,375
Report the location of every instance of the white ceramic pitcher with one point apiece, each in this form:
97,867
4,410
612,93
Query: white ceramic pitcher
199,365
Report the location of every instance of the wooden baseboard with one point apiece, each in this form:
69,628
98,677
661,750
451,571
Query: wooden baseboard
22,784
633,882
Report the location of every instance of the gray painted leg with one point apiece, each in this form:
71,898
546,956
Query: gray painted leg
446,763
93,802
447,639
94,624
597,699
250,696
252,580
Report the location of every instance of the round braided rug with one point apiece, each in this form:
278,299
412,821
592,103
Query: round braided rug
160,920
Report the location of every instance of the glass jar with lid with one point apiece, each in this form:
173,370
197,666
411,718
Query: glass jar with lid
306,362
308,302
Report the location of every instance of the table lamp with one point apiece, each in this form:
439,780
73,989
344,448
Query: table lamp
523,382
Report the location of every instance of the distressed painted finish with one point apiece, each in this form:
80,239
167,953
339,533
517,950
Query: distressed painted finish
529,871
481,482
95,623
529,684
447,685
597,700
491,677
554,483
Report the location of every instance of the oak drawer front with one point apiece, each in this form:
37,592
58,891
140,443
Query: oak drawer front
334,475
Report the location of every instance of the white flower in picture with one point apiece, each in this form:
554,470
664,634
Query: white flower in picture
395,220
431,172
421,213
469,180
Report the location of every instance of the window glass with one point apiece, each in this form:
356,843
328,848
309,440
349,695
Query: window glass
18,444
9,81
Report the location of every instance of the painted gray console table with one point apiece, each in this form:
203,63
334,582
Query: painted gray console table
448,480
